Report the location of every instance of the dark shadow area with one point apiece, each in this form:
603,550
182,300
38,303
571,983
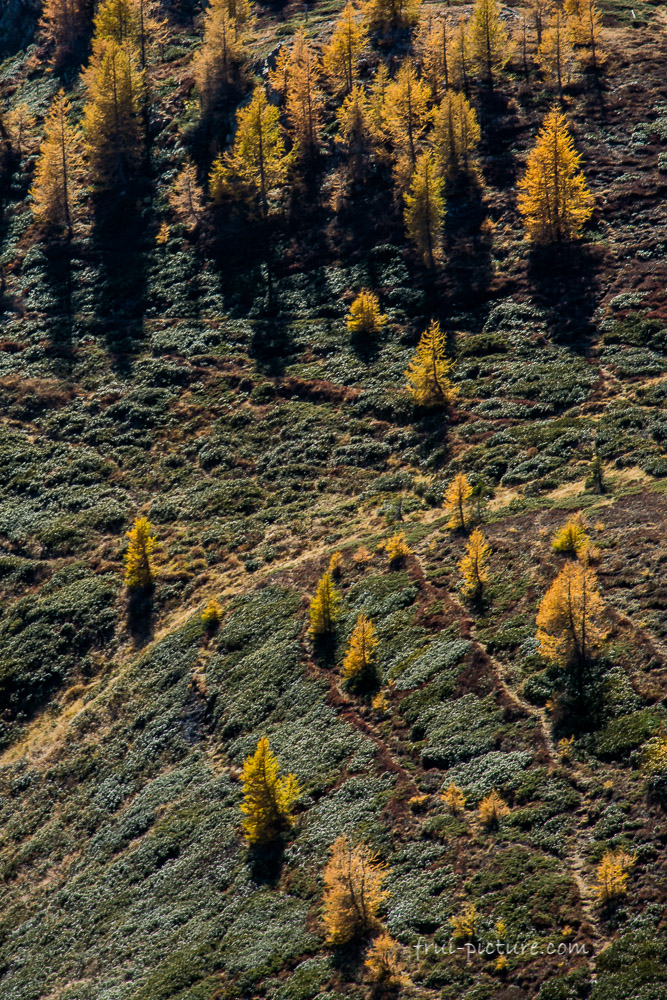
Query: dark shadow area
564,280
59,255
271,345
266,862
141,616
468,265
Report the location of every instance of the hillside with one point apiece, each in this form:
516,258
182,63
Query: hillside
194,366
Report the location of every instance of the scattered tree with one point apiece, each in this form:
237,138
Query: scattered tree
492,809
21,127
425,208
397,549
432,48
654,765
612,875
464,925
386,16
554,199
359,666
268,796
360,131
429,370
474,565
555,55
336,565
572,538
456,501
586,30
324,608
138,569
304,97
341,54
365,316
56,182
353,891
489,39
459,58
454,799
456,135
540,10
186,196
406,116
383,961
256,163
219,63
212,614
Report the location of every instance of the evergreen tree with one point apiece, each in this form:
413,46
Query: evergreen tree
55,186
489,39
111,115
324,608
138,570
346,45
268,796
554,199
353,891
474,565
456,135
256,163
457,501
429,370
425,208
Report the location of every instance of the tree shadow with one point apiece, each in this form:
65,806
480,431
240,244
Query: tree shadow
271,345
565,287
266,862
59,255
141,616
468,267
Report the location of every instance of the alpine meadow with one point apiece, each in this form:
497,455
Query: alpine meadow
333,506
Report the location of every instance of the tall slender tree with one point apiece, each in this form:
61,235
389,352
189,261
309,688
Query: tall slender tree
425,208
57,173
456,135
341,54
489,39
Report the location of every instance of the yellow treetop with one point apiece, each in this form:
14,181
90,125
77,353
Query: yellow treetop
459,58
397,548
586,30
405,110
186,196
268,796
304,97
432,47
353,891
360,130
256,163
383,962
324,608
56,184
425,208
612,875
492,809
21,126
464,925
429,370
554,199
138,571
454,799
555,54
474,567
457,501
218,63
385,16
365,316
359,664
489,39
572,539
456,135
212,614
341,54
569,617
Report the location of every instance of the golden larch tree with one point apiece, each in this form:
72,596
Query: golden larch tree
424,210
489,39
383,962
456,135
428,374
570,618
586,30
387,16
141,543
304,97
555,53
353,891
474,567
432,50
397,550
554,199
342,52
111,115
572,539
268,797
459,56
186,196
360,132
612,875
56,183
406,114
324,608
454,799
21,127
539,9
359,664
457,501
365,316
64,23
218,64
256,163
492,809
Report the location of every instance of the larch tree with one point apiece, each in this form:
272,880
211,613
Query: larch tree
304,97
383,962
365,316
612,875
554,199
387,16
555,54
359,664
219,62
21,127
457,502
353,891
572,539
429,370
256,163
456,135
111,115
540,10
570,620
341,54
489,39
474,567
360,133
141,543
268,797
56,183
133,22
432,48
459,57
65,23
186,196
406,115
586,30
425,208
324,608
